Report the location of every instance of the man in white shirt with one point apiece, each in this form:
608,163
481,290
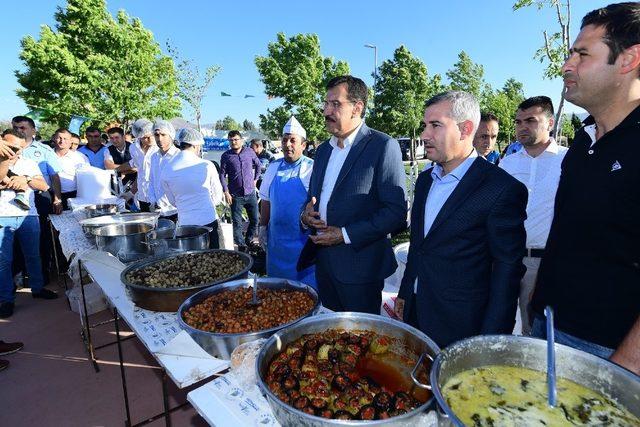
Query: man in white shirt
164,134
141,152
357,198
16,222
283,193
70,161
192,184
537,165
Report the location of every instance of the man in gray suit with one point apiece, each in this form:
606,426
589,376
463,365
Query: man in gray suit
356,199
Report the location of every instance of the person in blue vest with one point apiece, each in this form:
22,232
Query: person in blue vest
283,193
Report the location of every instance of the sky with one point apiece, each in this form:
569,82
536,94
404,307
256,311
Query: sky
231,34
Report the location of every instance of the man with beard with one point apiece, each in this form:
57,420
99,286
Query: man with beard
467,232
486,137
94,150
537,166
590,271
356,200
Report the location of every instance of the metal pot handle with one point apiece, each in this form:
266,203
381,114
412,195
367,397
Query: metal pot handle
209,229
415,380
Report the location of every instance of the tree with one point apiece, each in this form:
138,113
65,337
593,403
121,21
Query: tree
467,76
248,125
295,71
192,86
228,123
503,104
96,66
555,49
568,130
400,92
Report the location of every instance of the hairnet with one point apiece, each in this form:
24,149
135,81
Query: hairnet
189,136
141,127
164,126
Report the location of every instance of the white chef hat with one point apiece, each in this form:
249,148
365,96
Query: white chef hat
294,126
164,126
189,136
141,127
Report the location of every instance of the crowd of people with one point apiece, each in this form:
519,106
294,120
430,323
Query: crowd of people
492,237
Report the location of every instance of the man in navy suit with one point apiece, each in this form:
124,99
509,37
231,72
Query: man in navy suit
356,199
467,232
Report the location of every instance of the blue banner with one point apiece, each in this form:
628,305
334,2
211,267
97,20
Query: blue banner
75,123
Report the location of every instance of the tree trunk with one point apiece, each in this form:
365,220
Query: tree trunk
557,127
198,121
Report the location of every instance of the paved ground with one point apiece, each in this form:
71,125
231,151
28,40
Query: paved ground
51,383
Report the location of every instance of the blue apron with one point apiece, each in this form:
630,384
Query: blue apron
287,196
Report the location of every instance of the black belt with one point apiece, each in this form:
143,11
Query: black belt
535,253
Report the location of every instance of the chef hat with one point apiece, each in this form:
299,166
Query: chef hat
189,136
141,127
164,126
294,126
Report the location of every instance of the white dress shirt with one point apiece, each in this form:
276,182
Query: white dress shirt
192,185
156,193
142,162
541,175
8,207
336,160
70,163
441,189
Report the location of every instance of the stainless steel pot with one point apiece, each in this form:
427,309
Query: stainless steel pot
93,211
165,224
121,218
417,344
127,242
575,365
170,298
186,238
222,345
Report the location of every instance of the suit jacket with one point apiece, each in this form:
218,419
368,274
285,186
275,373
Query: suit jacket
469,265
369,201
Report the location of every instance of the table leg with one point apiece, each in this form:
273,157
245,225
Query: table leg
122,376
165,399
55,258
86,327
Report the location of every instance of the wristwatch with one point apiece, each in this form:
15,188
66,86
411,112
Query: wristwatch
28,178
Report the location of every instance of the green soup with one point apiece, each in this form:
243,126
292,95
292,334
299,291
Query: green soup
510,396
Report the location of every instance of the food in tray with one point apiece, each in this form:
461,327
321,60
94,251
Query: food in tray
356,375
231,312
506,395
188,270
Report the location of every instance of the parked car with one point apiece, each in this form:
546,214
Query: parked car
405,148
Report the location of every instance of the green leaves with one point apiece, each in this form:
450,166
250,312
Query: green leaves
402,88
295,71
111,70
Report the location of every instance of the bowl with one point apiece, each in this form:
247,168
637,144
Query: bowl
417,344
170,298
578,366
221,344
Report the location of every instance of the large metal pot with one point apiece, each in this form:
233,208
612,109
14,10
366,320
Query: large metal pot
93,211
181,239
127,242
510,350
417,344
90,224
165,224
170,298
222,345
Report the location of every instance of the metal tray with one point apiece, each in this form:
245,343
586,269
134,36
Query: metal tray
222,345
170,299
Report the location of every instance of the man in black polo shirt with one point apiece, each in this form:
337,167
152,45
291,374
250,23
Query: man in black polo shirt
118,153
590,272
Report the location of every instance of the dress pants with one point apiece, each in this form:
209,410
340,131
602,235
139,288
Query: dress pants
337,296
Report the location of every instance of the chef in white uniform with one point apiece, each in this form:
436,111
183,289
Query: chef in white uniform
164,134
192,184
283,193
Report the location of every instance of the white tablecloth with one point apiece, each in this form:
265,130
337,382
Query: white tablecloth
185,361
72,239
